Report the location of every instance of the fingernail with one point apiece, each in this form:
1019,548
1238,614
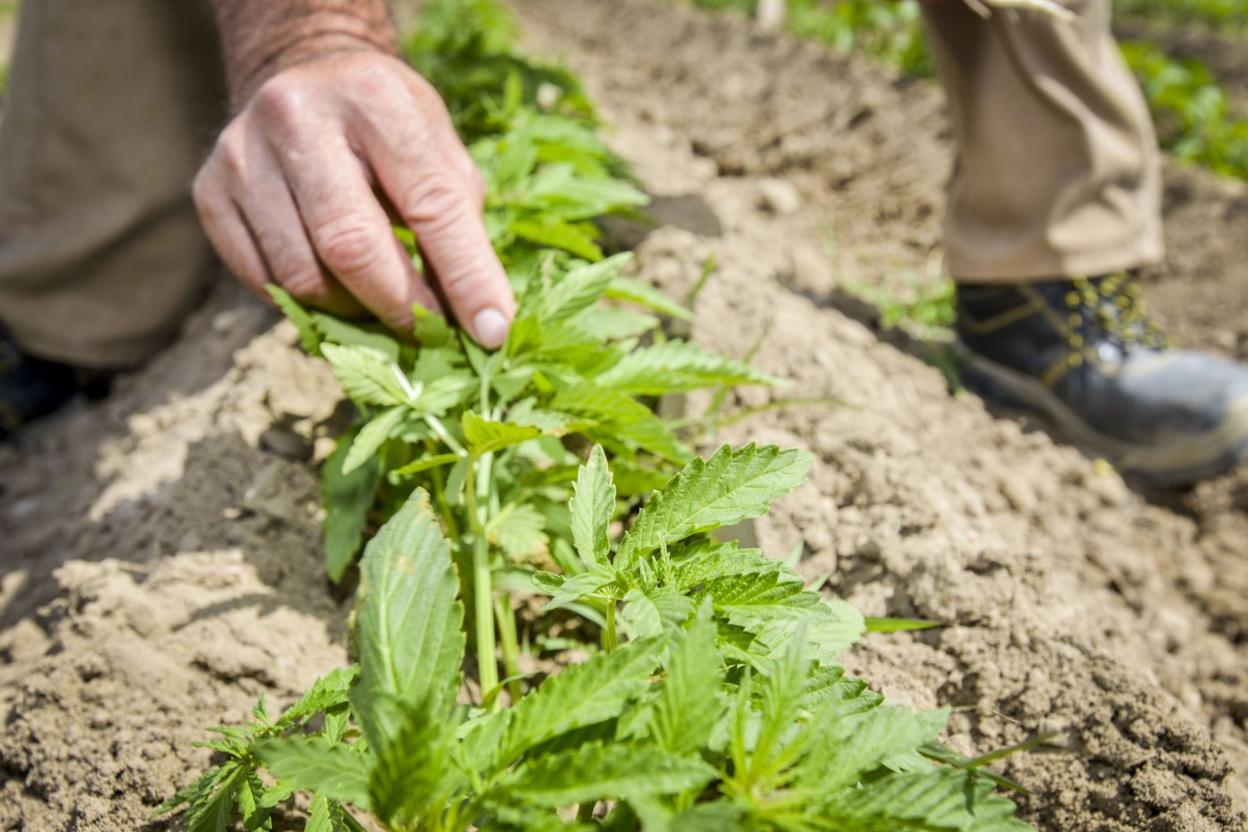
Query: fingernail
490,327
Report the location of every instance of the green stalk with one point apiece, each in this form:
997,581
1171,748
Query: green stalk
482,584
440,429
611,639
511,646
439,494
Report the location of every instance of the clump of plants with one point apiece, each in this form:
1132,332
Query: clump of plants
716,703
707,692
1195,120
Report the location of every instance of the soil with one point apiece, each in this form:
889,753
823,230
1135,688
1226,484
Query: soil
161,563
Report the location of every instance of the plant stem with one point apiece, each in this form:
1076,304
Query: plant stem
439,492
511,646
482,587
611,640
440,429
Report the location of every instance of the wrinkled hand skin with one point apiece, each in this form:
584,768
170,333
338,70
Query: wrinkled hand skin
334,138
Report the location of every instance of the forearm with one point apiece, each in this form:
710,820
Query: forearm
262,37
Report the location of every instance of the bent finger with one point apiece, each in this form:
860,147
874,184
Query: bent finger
280,235
227,231
443,211
350,233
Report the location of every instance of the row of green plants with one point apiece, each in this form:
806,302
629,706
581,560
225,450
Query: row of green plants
1192,112
889,31
661,676
1194,117
1222,15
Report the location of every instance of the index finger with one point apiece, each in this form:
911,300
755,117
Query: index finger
351,232
434,189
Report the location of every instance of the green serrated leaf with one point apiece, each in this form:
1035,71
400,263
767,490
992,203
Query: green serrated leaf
431,329
609,323
327,692
278,793
318,765
558,190
621,420
320,817
652,611
371,437
731,486
200,790
367,375
776,607
519,529
480,738
408,626
247,796
440,395
484,436
578,289
606,772
373,336
433,363
576,588
643,294
347,499
849,748
309,337
942,798
582,695
693,565
426,463
592,506
688,705
212,809
676,366
576,238
407,770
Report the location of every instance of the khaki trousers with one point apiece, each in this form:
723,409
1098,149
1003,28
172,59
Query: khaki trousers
1057,172
112,105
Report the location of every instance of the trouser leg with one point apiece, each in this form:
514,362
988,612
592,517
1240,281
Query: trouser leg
111,107
1057,172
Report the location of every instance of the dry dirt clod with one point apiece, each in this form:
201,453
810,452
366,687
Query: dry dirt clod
778,196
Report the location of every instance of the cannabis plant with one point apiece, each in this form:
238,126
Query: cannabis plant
710,696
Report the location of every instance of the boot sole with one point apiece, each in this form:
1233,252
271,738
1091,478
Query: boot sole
1173,465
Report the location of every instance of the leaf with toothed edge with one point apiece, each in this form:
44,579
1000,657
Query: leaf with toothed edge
731,486
592,505
367,375
409,635
347,499
676,366
371,437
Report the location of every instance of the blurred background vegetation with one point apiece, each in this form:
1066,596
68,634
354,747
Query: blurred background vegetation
1195,119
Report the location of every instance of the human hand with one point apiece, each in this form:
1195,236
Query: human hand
301,186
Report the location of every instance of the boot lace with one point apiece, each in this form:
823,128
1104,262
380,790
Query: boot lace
1110,309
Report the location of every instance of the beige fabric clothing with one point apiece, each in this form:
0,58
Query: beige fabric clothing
1057,171
111,107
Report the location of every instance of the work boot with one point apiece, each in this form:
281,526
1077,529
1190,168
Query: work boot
1082,353
32,387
